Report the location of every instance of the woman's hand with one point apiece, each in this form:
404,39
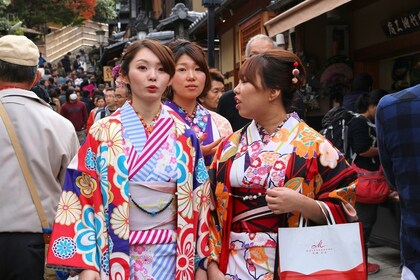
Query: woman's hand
211,148
200,274
283,200
88,274
214,273
394,196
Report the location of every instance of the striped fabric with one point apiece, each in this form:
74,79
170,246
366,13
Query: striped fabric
156,236
157,138
164,261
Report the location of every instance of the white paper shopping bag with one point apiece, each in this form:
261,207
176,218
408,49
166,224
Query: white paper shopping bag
332,251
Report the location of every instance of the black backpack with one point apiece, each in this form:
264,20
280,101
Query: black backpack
335,128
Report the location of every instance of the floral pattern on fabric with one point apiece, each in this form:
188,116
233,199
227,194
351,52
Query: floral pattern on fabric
93,208
251,255
150,262
200,122
296,157
119,221
69,209
64,248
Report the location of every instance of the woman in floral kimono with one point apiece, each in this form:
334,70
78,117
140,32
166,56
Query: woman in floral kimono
271,173
192,80
136,198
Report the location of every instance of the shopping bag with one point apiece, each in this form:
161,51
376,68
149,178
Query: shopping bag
333,251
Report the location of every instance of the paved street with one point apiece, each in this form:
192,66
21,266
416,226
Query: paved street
388,259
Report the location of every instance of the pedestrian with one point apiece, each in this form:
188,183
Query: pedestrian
111,105
122,93
362,83
210,100
271,172
75,111
85,98
190,82
48,142
397,126
76,63
66,62
227,105
363,144
99,102
135,204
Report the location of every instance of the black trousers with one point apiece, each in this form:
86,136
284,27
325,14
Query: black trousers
367,214
22,256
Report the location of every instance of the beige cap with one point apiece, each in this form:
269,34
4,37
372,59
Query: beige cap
18,50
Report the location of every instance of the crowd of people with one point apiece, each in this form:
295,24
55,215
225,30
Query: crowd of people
163,175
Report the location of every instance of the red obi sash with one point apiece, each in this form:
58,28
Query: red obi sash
251,213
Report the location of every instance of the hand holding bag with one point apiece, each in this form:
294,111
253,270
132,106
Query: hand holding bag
327,252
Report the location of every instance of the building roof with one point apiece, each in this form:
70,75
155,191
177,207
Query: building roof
179,12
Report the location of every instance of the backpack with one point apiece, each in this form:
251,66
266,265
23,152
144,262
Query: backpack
335,128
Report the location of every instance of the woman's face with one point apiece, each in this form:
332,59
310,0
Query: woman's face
146,77
211,100
189,80
250,100
100,103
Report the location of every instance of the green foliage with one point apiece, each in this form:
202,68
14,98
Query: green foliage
104,11
64,12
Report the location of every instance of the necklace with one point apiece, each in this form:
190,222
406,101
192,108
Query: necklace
149,127
154,212
247,197
189,117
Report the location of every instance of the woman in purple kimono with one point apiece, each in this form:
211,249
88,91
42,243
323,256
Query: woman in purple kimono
136,197
192,80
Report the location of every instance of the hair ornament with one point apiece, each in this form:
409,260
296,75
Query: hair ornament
295,72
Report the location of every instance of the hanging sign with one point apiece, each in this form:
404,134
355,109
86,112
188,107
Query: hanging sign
404,24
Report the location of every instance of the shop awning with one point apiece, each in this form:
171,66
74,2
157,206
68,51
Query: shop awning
300,13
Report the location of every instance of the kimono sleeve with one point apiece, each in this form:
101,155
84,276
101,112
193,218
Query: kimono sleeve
338,180
219,197
77,238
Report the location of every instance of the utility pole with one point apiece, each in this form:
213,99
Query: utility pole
210,5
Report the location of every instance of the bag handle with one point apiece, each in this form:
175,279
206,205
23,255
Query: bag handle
25,169
329,218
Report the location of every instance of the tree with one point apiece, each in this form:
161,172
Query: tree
104,11
64,12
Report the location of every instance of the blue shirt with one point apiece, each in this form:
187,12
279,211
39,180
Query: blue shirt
398,133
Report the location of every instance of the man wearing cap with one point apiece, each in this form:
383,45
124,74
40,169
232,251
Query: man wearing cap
48,141
75,111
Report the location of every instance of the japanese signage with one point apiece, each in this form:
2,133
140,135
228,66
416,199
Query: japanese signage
402,24
107,70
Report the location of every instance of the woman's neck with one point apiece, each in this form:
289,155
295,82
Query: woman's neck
187,104
147,111
270,122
